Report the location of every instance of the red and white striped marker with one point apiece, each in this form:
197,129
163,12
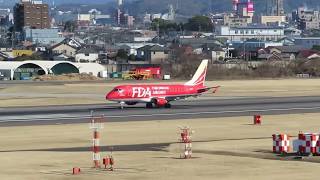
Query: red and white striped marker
308,142
281,143
96,125
186,141
96,148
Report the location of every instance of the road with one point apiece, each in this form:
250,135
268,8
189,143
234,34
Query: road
180,110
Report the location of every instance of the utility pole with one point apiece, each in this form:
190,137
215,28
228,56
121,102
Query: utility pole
158,31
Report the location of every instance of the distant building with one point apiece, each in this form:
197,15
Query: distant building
275,8
23,70
271,20
43,36
307,42
87,55
5,17
63,48
31,13
236,21
154,54
265,33
306,19
84,20
253,45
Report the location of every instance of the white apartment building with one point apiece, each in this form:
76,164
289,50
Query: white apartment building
263,33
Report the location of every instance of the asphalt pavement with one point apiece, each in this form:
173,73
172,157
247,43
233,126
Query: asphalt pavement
187,109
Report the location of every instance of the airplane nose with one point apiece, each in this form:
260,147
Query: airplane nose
108,96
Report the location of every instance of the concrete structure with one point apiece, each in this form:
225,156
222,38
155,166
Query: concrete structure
43,36
253,45
154,54
120,2
64,48
31,13
275,8
271,20
87,55
307,42
131,48
264,33
306,19
243,7
236,21
242,15
218,54
27,69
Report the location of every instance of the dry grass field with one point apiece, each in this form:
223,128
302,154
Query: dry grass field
92,93
224,148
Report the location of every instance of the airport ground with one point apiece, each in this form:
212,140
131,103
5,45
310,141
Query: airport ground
42,94
224,147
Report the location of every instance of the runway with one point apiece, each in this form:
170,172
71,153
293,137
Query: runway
189,109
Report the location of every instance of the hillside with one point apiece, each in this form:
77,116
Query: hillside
192,7
184,7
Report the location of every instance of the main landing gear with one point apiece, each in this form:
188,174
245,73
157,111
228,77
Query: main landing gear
167,105
150,105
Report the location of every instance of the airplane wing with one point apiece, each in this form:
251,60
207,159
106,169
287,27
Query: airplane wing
200,91
215,89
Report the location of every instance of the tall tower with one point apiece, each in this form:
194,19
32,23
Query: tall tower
280,9
120,2
250,8
277,8
235,4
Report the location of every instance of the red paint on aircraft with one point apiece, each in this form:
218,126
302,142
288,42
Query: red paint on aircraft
161,94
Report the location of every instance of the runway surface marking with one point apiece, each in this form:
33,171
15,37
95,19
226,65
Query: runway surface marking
32,118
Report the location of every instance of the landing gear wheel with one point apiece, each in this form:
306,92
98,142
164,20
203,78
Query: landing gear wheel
168,105
122,105
149,105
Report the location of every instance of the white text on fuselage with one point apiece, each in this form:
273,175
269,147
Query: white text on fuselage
145,92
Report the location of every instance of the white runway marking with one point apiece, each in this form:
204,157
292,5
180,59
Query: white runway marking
64,117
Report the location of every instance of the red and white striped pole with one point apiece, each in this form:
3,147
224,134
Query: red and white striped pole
186,142
96,148
96,125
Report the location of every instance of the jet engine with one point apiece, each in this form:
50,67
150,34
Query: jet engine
160,102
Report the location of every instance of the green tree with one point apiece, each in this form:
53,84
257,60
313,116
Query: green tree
316,47
199,23
164,25
122,54
132,57
70,26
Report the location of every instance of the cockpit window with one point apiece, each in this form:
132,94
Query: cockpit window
118,90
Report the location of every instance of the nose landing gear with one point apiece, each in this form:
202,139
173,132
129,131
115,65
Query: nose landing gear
122,105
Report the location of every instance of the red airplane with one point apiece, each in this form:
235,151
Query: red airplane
160,95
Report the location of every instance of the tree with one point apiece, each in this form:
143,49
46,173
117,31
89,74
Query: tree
164,25
132,57
122,54
316,47
70,26
199,23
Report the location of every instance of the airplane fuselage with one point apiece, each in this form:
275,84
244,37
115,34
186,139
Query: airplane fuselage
145,93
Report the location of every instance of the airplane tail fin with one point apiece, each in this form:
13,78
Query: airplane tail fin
200,76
